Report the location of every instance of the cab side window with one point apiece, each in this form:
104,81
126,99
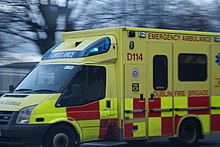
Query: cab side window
96,83
87,86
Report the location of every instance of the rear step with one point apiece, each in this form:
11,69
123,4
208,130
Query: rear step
104,144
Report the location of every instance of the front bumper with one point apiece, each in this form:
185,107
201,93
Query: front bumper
22,135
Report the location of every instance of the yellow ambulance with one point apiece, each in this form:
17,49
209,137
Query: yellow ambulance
120,84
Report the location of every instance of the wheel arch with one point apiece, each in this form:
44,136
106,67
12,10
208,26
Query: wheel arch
196,119
74,127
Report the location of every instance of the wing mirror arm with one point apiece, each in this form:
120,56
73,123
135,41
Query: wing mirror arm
11,88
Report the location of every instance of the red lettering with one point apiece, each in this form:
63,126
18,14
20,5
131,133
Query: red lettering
140,57
135,56
129,56
198,92
180,93
159,94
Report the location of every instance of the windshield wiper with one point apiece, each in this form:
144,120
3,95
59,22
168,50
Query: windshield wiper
24,89
44,90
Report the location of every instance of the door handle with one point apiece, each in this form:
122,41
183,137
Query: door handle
141,97
151,96
108,104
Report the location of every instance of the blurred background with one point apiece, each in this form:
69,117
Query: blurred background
28,28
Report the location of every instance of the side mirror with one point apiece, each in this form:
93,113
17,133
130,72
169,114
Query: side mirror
11,88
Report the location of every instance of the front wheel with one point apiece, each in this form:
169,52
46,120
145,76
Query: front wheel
60,136
189,133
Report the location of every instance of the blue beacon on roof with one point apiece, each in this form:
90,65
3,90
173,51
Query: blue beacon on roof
218,59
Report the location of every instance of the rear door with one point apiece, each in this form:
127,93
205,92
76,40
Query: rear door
160,89
215,88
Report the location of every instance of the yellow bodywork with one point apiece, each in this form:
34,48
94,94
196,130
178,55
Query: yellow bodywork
138,109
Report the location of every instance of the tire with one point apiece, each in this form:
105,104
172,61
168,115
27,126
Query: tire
188,134
136,143
60,136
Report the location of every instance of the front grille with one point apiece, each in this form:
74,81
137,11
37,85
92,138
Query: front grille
13,141
5,117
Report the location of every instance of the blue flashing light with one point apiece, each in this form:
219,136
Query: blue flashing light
218,59
95,50
98,47
131,33
217,38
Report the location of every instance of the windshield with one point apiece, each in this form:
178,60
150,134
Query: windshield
47,78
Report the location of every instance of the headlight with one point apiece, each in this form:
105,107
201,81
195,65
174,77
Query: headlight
24,115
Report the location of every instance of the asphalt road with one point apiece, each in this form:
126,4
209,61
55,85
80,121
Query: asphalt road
209,141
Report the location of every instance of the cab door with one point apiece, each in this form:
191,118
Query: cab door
160,89
135,116
91,109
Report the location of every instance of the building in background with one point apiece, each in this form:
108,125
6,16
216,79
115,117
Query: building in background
12,74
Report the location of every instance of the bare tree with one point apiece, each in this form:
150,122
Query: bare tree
214,16
38,20
1,44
